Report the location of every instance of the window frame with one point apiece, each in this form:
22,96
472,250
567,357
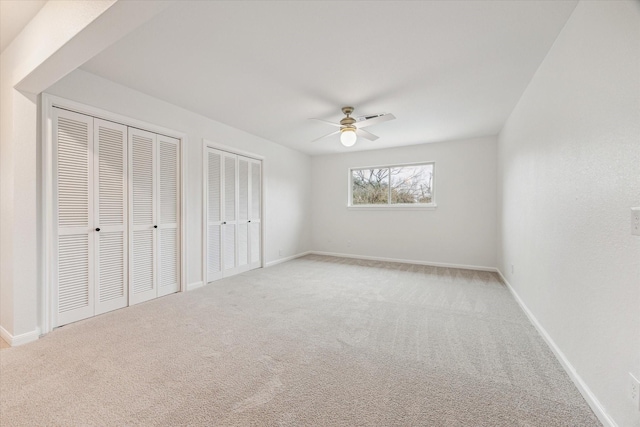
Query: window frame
389,205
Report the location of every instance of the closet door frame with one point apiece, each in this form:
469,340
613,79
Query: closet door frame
48,218
206,144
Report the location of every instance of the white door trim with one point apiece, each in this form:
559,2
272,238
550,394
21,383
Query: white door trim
47,254
233,150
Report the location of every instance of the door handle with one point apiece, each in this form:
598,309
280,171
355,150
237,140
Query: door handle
249,221
224,222
155,226
97,229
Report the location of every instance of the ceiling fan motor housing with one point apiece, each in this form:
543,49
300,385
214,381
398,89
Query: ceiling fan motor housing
348,122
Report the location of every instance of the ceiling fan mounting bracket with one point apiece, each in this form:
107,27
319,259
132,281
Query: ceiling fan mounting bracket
347,110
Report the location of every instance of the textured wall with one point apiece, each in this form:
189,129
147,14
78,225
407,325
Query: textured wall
570,171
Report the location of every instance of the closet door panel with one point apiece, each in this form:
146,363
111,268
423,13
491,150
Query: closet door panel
229,245
168,262
142,215
254,239
256,180
243,244
243,212
214,255
73,189
168,206
214,214
142,268
255,213
229,187
75,278
111,266
229,198
110,148
243,189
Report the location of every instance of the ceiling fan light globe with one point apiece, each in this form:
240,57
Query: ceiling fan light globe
348,138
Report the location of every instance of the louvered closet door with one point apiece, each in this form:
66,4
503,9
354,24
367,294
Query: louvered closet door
73,189
142,216
168,209
229,220
255,213
243,214
214,214
110,210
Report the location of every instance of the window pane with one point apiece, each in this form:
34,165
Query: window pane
370,186
412,184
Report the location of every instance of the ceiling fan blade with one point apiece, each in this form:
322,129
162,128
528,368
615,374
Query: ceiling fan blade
327,122
324,136
372,119
366,135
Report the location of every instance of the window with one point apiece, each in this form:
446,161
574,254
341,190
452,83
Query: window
387,186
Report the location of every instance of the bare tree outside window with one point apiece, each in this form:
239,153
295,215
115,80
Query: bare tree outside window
370,186
411,184
407,185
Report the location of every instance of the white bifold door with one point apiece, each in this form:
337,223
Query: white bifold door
154,215
90,160
233,189
116,233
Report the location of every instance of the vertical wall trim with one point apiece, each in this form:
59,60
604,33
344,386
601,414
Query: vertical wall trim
205,177
182,175
44,288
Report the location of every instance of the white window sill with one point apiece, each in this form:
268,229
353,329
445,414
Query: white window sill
393,207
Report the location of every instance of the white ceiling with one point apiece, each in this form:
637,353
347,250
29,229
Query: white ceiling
14,15
446,69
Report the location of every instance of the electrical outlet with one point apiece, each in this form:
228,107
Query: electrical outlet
279,252
511,268
634,391
348,243
635,221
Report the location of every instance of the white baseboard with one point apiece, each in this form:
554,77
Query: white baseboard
586,392
408,261
194,285
289,258
16,340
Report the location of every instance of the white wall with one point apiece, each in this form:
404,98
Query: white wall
569,171
460,231
287,178
42,38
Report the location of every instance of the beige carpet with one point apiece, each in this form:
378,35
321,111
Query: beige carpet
316,341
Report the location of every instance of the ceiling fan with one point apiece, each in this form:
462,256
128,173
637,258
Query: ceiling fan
351,127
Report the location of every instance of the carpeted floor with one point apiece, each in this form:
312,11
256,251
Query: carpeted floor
317,341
